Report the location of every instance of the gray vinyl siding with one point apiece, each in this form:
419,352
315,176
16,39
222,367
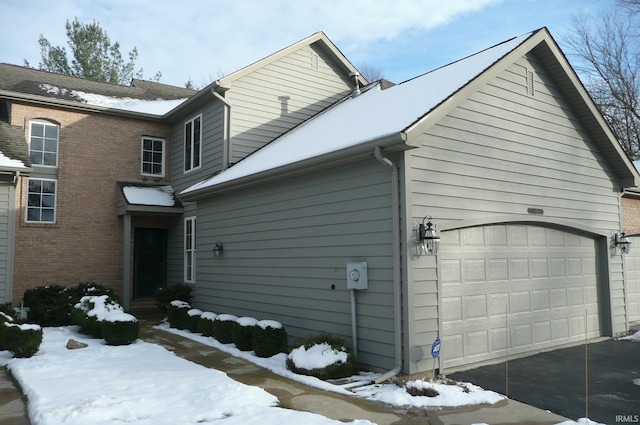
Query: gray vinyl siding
279,96
212,146
500,153
287,243
6,240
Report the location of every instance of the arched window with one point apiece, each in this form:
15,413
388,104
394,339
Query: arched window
43,143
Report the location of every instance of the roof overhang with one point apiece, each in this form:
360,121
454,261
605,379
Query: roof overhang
392,143
143,205
77,106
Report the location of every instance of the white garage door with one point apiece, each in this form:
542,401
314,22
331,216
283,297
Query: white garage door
632,266
544,278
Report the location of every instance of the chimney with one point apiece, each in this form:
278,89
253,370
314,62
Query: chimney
356,84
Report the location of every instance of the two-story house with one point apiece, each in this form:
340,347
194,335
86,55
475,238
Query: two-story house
92,195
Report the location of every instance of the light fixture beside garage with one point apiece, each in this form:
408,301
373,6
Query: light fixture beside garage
621,242
428,238
218,249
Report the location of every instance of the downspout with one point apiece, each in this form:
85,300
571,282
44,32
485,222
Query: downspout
226,145
397,281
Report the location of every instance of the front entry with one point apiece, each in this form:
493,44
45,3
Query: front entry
149,262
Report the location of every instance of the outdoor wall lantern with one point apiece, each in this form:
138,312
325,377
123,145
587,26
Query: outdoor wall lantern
428,238
218,249
621,242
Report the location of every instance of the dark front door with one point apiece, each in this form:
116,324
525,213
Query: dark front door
149,262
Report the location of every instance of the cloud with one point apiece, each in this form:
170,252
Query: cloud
202,38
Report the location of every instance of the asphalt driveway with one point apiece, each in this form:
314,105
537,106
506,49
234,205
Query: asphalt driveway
555,381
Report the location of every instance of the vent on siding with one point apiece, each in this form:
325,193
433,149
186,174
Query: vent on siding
314,60
529,82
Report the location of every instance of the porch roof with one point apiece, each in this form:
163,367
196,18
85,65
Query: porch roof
147,199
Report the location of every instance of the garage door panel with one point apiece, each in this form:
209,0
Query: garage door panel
544,277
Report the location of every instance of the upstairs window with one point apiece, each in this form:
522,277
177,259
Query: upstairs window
192,143
41,201
152,157
43,144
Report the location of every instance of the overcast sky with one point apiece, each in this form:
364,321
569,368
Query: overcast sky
204,39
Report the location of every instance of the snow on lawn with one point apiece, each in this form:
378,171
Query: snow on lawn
463,394
141,383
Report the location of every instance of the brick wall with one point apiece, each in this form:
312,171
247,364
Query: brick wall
631,215
85,243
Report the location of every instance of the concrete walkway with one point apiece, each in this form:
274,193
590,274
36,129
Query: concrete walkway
299,396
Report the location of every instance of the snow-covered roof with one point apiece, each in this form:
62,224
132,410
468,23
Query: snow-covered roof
156,107
161,196
6,162
373,115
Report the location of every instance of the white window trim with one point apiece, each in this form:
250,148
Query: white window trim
142,162
55,207
45,122
184,162
192,250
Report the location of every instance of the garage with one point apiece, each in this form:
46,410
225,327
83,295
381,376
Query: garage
632,289
515,289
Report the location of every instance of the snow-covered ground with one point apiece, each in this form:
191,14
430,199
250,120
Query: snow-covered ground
144,383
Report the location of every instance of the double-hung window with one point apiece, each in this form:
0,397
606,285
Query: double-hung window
192,143
43,143
152,156
41,200
190,249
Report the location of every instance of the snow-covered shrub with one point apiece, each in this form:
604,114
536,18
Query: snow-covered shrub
102,317
177,313
222,328
179,292
324,356
242,335
22,340
205,323
119,328
193,319
52,305
269,338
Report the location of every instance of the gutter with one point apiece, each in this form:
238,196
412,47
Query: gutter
397,280
335,158
40,100
226,146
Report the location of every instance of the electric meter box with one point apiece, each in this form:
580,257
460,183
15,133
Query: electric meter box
357,276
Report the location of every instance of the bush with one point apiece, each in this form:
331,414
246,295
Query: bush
48,305
177,313
120,329
102,317
22,340
242,335
269,338
222,328
329,352
179,292
3,318
91,310
89,289
52,305
193,319
205,323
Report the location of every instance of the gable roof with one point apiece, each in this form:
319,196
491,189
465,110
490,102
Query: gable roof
387,117
13,149
141,97
377,117
318,39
